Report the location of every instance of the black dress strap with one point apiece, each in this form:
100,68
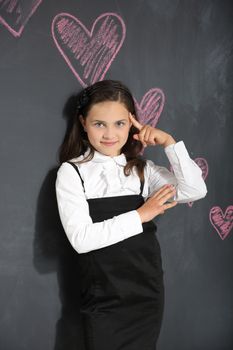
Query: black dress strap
76,168
142,186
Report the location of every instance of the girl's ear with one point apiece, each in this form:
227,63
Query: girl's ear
82,121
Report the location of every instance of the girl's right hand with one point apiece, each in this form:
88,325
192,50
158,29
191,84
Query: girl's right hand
155,204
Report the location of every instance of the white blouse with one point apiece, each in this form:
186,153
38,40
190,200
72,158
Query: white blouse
103,176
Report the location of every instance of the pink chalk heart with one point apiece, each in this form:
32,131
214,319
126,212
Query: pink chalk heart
222,223
88,54
14,14
150,107
202,163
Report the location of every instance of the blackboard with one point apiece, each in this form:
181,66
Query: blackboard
176,53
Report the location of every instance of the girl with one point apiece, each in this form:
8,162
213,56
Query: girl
107,197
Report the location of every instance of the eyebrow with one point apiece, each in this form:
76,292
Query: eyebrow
101,121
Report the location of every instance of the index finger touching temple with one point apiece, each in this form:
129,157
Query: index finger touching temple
135,122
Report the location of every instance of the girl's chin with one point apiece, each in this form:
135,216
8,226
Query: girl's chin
109,151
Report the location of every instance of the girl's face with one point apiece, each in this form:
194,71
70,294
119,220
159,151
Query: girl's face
107,125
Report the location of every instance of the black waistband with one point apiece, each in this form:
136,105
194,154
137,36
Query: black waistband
76,168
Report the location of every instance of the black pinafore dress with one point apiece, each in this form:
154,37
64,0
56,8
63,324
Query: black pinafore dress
122,289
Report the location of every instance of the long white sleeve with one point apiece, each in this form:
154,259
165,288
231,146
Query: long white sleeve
83,234
103,177
187,177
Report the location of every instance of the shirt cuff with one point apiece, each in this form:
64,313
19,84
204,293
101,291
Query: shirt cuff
175,151
130,223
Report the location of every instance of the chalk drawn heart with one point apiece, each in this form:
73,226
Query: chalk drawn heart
222,223
88,54
202,163
14,14
150,107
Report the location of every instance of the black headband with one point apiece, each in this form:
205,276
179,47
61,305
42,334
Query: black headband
83,100
84,97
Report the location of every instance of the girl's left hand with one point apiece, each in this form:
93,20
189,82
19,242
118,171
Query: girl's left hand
151,136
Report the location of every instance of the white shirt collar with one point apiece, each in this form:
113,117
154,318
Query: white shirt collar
101,158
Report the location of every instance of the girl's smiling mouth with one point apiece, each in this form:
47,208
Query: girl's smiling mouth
108,143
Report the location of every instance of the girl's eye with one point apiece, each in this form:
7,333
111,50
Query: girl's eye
120,123
98,124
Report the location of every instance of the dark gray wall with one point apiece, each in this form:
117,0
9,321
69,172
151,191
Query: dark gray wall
183,48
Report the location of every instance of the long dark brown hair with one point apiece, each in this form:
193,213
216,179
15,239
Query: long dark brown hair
76,142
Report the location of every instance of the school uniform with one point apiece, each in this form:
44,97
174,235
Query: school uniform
122,290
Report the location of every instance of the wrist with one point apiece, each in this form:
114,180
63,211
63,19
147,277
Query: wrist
140,214
170,141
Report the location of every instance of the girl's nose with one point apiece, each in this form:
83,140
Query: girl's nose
108,134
